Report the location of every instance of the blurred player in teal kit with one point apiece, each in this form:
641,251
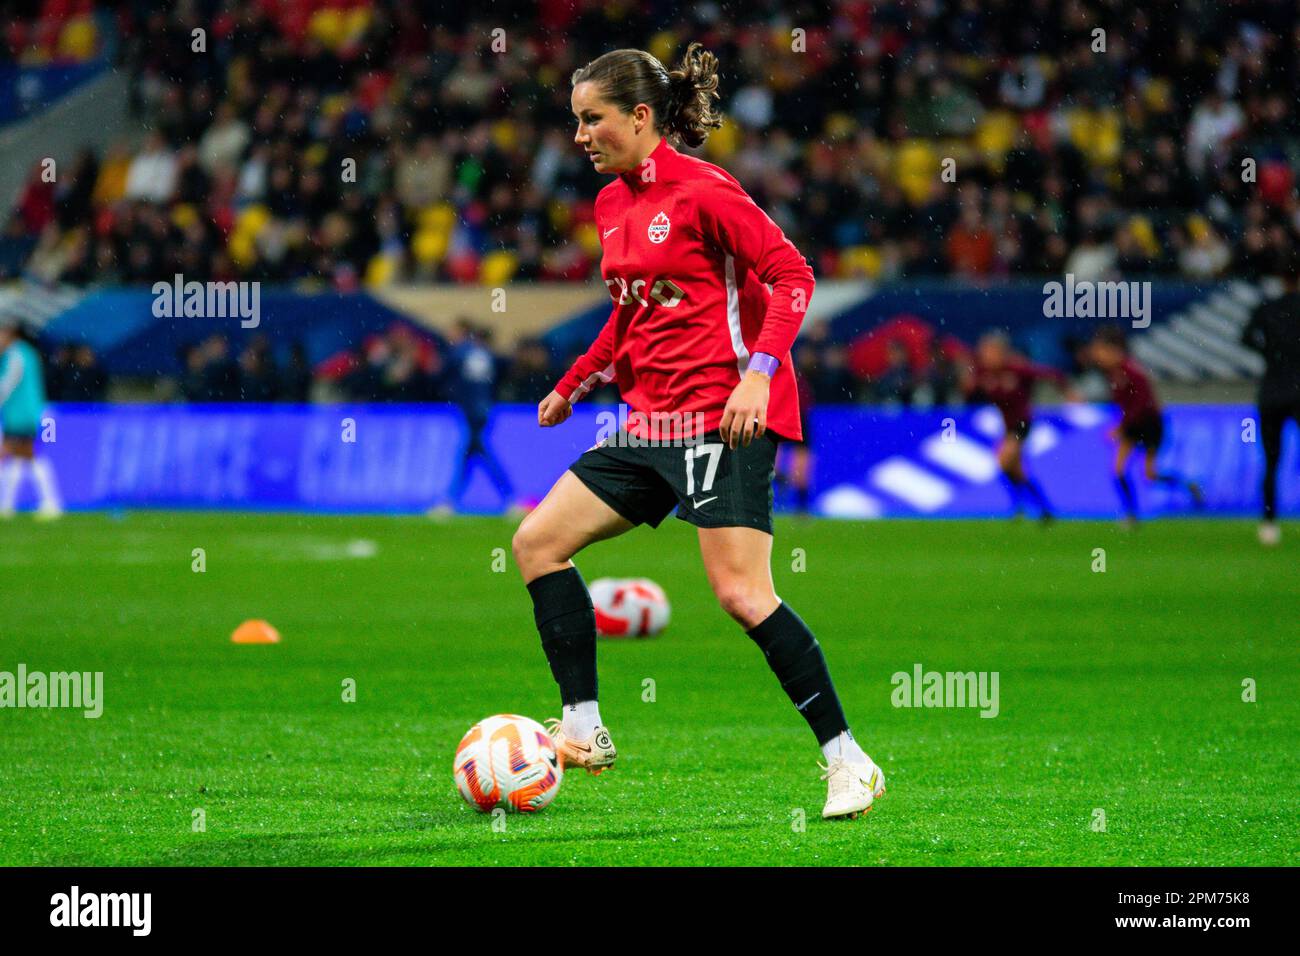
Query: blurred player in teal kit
22,400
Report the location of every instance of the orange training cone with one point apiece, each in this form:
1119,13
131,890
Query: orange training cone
255,632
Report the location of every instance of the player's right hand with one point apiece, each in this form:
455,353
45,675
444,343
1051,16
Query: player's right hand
553,409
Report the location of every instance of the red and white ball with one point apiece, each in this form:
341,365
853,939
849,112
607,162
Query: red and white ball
508,761
629,607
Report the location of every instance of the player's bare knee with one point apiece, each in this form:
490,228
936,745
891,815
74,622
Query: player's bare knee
527,546
536,550
746,604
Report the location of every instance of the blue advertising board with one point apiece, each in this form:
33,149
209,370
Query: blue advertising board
868,462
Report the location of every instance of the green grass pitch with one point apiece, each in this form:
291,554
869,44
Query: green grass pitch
1119,691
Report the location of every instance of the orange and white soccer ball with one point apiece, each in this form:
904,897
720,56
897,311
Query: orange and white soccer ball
629,607
507,761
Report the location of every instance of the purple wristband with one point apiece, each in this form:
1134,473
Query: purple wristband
762,362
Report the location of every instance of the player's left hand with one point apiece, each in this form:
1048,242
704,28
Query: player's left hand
745,417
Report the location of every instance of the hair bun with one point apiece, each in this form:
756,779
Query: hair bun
683,98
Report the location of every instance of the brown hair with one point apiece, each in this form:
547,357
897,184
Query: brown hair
682,99
1112,335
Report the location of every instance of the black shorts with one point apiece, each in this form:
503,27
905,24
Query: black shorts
709,484
1148,432
1020,429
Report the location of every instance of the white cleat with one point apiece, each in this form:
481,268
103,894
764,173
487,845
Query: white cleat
595,754
1270,534
47,513
851,788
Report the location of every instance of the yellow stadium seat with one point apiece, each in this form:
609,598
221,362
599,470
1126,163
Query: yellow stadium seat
183,215
111,185
1110,137
588,238
440,217
840,127
1198,227
859,262
381,271
505,135
663,45
252,220
1145,234
498,267
560,215
78,39
1097,134
429,247
335,104
722,142
356,21
1157,94
315,154
916,168
242,251
996,133
328,27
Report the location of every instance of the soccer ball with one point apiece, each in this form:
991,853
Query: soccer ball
507,761
629,607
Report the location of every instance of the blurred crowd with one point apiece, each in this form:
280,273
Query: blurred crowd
406,364
403,365
400,364
464,367
362,143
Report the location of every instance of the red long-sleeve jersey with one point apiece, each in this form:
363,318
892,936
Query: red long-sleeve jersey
688,258
1132,391
1011,387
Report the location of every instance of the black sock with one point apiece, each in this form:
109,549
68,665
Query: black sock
1126,495
1013,489
1174,480
565,620
796,658
1035,491
1270,491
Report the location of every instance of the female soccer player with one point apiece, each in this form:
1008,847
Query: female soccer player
698,346
1141,421
1007,381
22,400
